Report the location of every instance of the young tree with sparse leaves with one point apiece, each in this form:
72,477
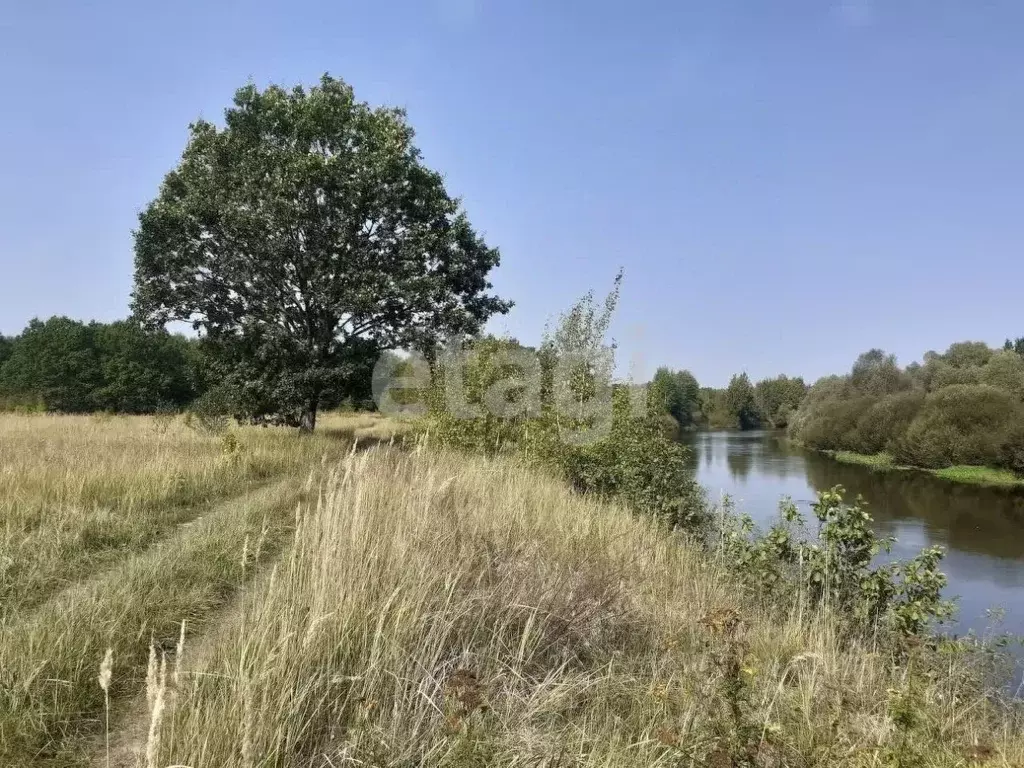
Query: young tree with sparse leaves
299,232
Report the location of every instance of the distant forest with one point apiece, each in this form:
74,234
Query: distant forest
67,366
742,405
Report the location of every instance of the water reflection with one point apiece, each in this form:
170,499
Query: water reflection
980,528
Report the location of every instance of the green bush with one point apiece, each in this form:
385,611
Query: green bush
832,425
961,424
968,354
945,375
965,406
565,414
836,568
637,463
886,421
1005,371
1012,454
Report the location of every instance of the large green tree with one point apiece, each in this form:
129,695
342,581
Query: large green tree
305,227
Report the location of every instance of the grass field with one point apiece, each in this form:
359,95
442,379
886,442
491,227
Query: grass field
266,599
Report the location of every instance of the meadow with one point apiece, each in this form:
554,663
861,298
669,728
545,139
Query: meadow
173,594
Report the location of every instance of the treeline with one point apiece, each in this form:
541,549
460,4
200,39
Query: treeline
73,367
68,366
962,407
742,405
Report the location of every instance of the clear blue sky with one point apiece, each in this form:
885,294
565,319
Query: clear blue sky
786,182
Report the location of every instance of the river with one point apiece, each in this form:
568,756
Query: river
981,529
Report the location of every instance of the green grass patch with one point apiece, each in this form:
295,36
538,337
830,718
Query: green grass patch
966,474
979,476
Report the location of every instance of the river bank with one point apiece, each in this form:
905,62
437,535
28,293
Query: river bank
967,474
977,526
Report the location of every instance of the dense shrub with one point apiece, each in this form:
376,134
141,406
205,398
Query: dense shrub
886,421
54,363
635,461
143,371
968,354
876,374
566,414
945,375
1005,371
1012,454
961,424
960,407
6,346
832,425
778,399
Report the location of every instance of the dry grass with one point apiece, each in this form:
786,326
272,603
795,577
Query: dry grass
439,611
79,492
426,609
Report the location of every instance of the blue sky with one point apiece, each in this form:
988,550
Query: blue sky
786,182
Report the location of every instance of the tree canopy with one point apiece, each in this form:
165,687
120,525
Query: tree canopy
303,235
65,365
741,404
679,394
963,406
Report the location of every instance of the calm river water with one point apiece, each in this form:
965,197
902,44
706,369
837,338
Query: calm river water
981,529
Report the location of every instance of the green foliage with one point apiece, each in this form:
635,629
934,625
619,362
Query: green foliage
637,463
968,354
678,394
876,373
478,398
563,411
54,363
6,347
837,567
945,375
66,365
777,399
741,403
960,424
886,420
833,424
715,409
962,407
1015,345
143,371
1005,371
303,228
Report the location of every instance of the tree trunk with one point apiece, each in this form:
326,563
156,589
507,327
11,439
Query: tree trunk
307,422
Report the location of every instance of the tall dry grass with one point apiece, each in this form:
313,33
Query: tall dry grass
113,530
438,610
79,492
408,607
